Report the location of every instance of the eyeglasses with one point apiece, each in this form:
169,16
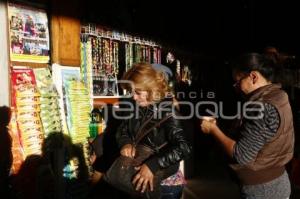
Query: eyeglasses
238,82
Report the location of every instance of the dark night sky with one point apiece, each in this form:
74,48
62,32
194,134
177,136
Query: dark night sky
210,27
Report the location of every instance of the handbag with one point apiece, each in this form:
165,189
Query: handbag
122,171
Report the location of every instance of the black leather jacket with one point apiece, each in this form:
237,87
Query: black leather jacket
169,131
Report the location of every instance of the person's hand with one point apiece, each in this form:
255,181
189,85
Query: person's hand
143,179
96,176
128,150
207,124
93,158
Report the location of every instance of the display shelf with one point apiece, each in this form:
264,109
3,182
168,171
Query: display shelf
107,97
100,102
29,64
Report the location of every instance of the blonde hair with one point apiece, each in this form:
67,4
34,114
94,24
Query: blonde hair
145,78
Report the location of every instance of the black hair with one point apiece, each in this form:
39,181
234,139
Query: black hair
254,62
5,114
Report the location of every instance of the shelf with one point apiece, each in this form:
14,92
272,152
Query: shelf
99,102
29,64
106,97
110,97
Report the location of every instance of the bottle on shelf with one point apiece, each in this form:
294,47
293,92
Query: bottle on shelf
94,123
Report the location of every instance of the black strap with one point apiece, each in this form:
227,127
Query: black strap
142,135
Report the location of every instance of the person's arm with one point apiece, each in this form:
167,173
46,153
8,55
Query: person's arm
122,135
254,134
177,148
124,140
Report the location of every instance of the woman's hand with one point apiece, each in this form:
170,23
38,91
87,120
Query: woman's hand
128,150
143,178
207,124
96,177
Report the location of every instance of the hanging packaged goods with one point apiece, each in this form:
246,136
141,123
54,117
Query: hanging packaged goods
128,55
74,102
18,154
36,111
26,109
50,113
75,107
78,109
101,57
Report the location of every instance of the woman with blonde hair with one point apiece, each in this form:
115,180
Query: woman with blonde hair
153,103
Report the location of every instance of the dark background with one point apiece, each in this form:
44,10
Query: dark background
208,27
205,34
208,35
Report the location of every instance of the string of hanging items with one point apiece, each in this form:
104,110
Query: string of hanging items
102,58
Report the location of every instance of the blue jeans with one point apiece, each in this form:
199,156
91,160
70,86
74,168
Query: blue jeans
172,192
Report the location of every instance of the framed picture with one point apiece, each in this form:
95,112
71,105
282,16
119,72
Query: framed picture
28,34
